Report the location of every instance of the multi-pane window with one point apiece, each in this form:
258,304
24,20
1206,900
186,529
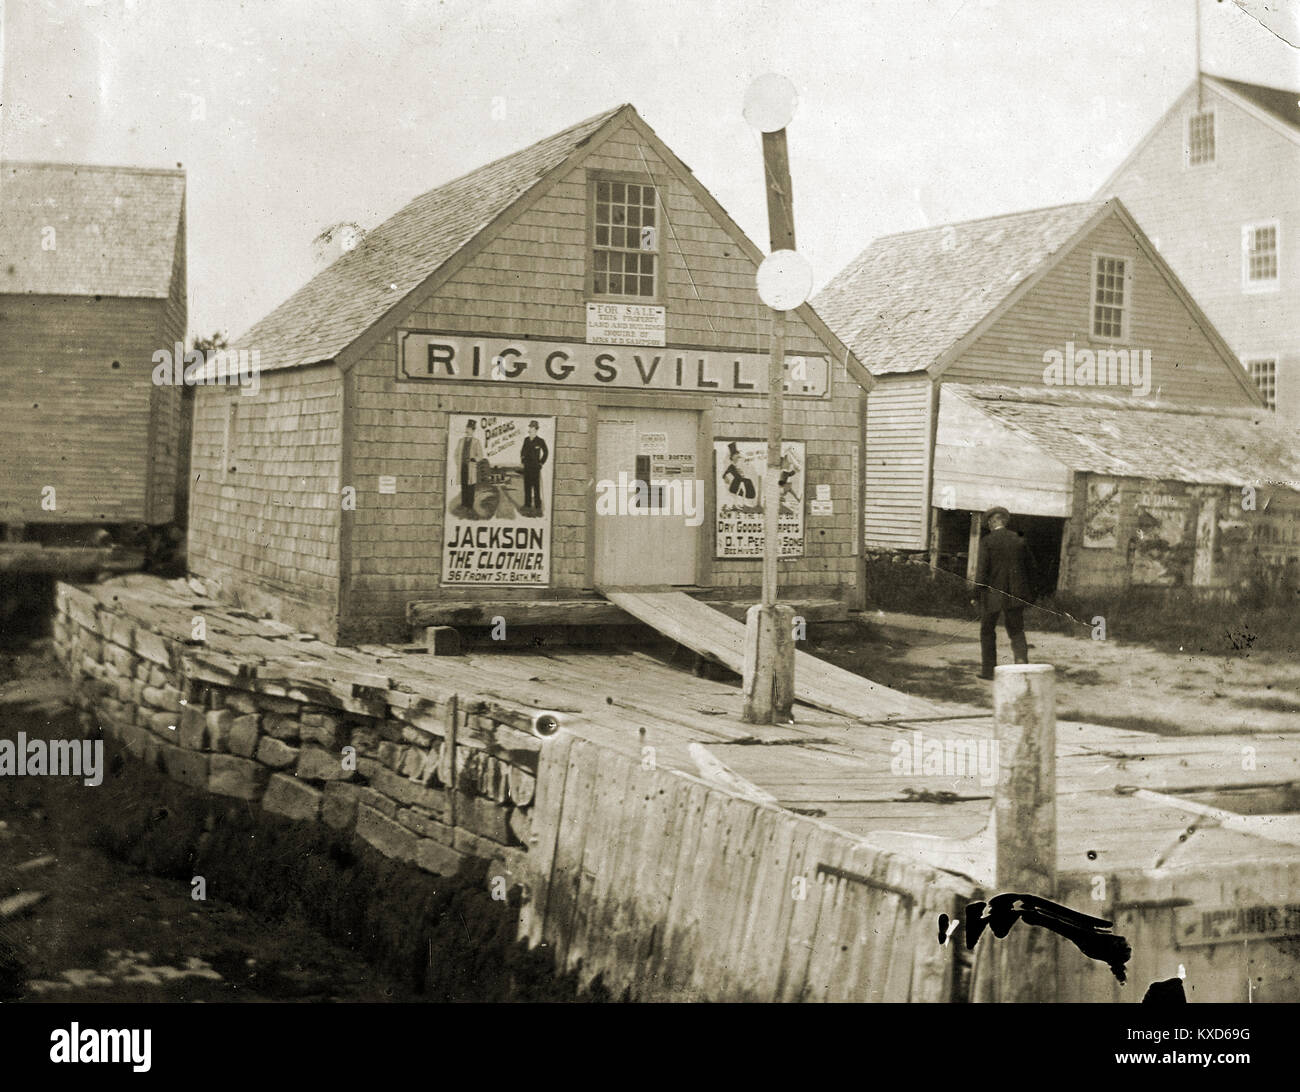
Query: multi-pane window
625,249
1200,138
1263,371
1259,250
1109,297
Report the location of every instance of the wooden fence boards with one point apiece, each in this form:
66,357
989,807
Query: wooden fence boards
669,889
548,800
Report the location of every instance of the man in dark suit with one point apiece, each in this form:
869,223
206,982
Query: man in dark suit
1003,586
533,456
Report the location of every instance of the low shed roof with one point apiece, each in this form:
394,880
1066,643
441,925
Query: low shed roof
1131,437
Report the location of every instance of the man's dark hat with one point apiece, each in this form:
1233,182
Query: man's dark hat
732,449
998,511
533,424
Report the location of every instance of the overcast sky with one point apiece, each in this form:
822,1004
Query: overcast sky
292,115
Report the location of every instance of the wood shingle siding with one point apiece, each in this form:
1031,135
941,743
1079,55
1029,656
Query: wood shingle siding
271,523
711,303
506,258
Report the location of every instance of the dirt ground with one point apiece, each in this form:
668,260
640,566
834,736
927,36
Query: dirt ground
1108,682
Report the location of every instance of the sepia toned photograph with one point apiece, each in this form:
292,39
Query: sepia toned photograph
691,502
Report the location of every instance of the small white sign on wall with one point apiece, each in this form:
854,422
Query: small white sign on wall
625,324
387,484
821,507
824,492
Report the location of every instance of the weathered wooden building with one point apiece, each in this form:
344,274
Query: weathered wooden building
1151,494
538,379
92,285
1215,184
1047,361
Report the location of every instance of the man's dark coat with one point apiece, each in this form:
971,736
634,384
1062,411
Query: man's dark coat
1002,576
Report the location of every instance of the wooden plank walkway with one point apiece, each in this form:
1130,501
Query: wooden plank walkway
711,633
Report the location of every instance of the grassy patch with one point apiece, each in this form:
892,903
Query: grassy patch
1170,619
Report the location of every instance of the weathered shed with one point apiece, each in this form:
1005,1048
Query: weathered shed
1161,495
541,378
92,285
1058,309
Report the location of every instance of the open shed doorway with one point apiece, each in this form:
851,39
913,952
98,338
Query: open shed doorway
1042,535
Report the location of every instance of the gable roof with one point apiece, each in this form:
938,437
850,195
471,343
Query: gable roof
1138,438
1281,104
115,229
907,299
916,301
348,306
1277,108
394,259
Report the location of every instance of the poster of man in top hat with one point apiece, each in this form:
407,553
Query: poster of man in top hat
740,467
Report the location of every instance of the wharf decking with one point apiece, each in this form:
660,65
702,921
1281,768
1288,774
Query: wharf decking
1117,803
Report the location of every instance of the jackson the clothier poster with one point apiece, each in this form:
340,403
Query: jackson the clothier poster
498,499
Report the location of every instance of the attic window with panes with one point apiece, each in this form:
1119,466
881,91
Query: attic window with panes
624,239
1259,252
1200,139
1263,370
1111,297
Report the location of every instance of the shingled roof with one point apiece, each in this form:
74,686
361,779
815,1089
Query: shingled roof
1281,104
114,234
1138,438
392,260
908,298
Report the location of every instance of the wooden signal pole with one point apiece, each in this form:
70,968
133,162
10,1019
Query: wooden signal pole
769,630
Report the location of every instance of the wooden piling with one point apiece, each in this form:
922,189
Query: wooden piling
1024,710
768,679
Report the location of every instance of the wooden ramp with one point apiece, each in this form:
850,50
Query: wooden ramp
711,633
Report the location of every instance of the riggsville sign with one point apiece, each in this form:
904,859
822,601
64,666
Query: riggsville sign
424,356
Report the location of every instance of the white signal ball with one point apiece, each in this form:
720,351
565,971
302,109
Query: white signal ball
785,280
769,103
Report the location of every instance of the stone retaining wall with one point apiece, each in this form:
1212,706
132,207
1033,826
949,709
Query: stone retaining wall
356,758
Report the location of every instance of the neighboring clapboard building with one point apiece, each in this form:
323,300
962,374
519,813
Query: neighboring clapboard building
470,413
1216,183
991,340
92,285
